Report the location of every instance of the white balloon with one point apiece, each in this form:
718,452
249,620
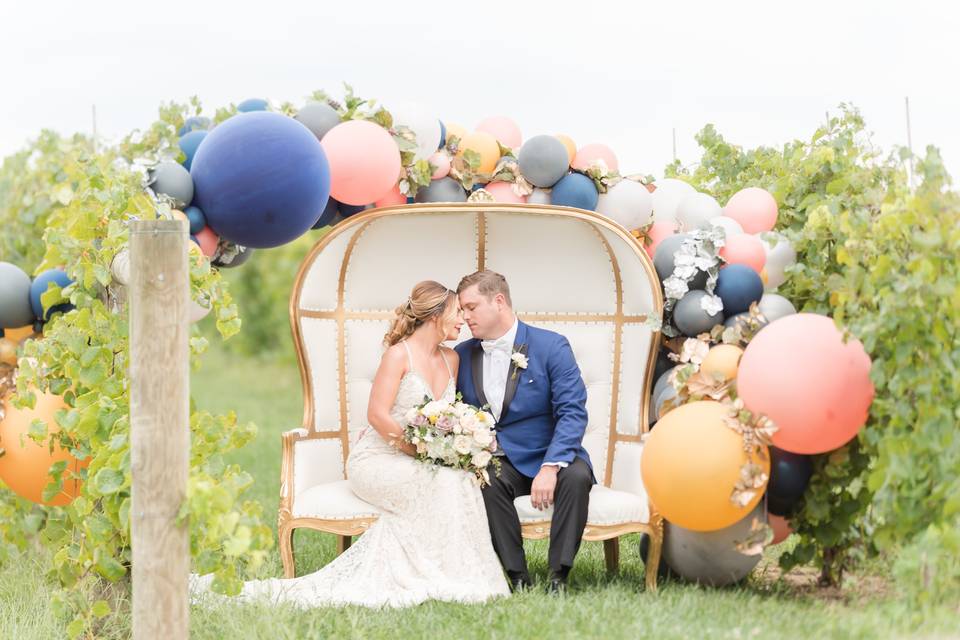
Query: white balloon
667,196
120,267
780,255
774,306
697,209
539,196
628,203
731,226
424,124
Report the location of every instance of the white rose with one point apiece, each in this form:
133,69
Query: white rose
410,415
482,437
461,444
433,408
469,422
481,459
485,417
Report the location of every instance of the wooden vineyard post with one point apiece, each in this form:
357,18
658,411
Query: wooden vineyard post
159,427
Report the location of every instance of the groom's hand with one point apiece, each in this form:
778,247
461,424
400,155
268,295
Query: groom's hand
544,484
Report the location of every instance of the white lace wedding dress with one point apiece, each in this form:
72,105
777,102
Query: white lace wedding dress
430,543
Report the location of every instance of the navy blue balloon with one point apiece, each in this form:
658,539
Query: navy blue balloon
411,199
575,190
443,135
329,214
262,179
347,210
197,220
39,286
188,144
194,123
789,476
738,286
252,104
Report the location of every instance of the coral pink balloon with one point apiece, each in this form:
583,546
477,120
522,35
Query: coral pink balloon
591,153
754,208
391,199
364,161
816,389
442,162
503,192
658,232
745,249
503,129
208,241
781,528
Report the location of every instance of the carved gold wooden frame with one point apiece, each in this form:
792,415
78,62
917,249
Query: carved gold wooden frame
345,529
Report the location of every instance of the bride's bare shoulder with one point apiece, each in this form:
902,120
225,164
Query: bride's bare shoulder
395,356
452,356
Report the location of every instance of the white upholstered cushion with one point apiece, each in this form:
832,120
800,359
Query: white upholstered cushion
332,501
607,506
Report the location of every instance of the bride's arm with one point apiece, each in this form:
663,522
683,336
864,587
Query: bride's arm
383,395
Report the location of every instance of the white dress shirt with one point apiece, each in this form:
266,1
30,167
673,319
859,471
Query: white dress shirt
497,359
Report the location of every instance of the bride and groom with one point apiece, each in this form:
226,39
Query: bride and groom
440,536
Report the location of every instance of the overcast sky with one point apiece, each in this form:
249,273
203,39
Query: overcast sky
625,73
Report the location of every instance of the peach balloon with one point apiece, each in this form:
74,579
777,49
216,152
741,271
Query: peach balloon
19,334
503,192
781,528
743,248
455,130
8,351
179,215
723,361
364,161
503,129
589,154
485,145
690,465
816,389
25,467
754,208
764,277
208,241
569,144
391,199
657,232
440,160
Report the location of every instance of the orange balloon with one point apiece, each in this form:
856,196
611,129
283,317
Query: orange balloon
743,248
815,388
484,144
26,468
455,130
8,351
569,144
179,215
723,360
781,528
20,334
764,277
690,465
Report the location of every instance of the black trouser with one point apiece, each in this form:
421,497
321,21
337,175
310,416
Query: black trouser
571,498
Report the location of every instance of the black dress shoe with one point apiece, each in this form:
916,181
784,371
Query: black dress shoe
520,582
557,586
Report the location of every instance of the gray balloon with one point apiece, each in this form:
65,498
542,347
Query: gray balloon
666,394
740,319
238,259
319,117
691,318
711,557
662,382
171,179
543,160
774,306
663,261
15,310
442,190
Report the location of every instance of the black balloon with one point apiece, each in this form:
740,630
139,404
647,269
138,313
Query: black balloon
789,476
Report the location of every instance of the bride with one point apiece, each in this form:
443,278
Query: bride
431,541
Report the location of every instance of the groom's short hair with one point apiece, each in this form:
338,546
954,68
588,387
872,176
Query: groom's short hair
489,283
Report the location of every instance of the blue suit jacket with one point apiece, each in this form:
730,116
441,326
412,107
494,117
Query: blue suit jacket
544,413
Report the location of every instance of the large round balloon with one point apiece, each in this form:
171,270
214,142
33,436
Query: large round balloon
690,316
738,286
40,285
262,179
591,154
664,260
503,129
15,309
754,208
364,161
789,476
745,249
424,124
667,196
722,361
543,161
25,465
696,210
816,388
189,144
483,144
711,557
575,190
628,203
442,190
319,117
691,464
172,180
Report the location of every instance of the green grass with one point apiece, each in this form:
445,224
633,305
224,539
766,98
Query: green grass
268,393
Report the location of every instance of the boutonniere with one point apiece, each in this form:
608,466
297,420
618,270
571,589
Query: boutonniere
519,360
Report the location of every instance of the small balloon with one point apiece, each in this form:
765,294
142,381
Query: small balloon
364,161
712,557
485,145
754,208
172,180
781,528
319,117
696,210
665,256
40,285
440,160
575,190
539,196
196,219
667,196
392,199
15,308
774,306
744,249
658,232
690,316
194,123
442,190
738,286
207,239
188,145
424,125
591,154
627,203
503,192
543,161
722,361
730,226
789,476
570,145
253,104
8,351
503,129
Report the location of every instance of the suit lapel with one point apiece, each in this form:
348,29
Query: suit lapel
513,377
476,367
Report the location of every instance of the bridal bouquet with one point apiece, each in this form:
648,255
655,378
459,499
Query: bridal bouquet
454,434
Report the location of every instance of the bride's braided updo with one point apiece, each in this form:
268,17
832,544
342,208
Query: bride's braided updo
428,300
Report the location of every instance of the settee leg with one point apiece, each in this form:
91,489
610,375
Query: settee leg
611,553
652,564
343,543
286,552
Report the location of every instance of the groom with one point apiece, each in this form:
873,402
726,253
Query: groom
532,383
